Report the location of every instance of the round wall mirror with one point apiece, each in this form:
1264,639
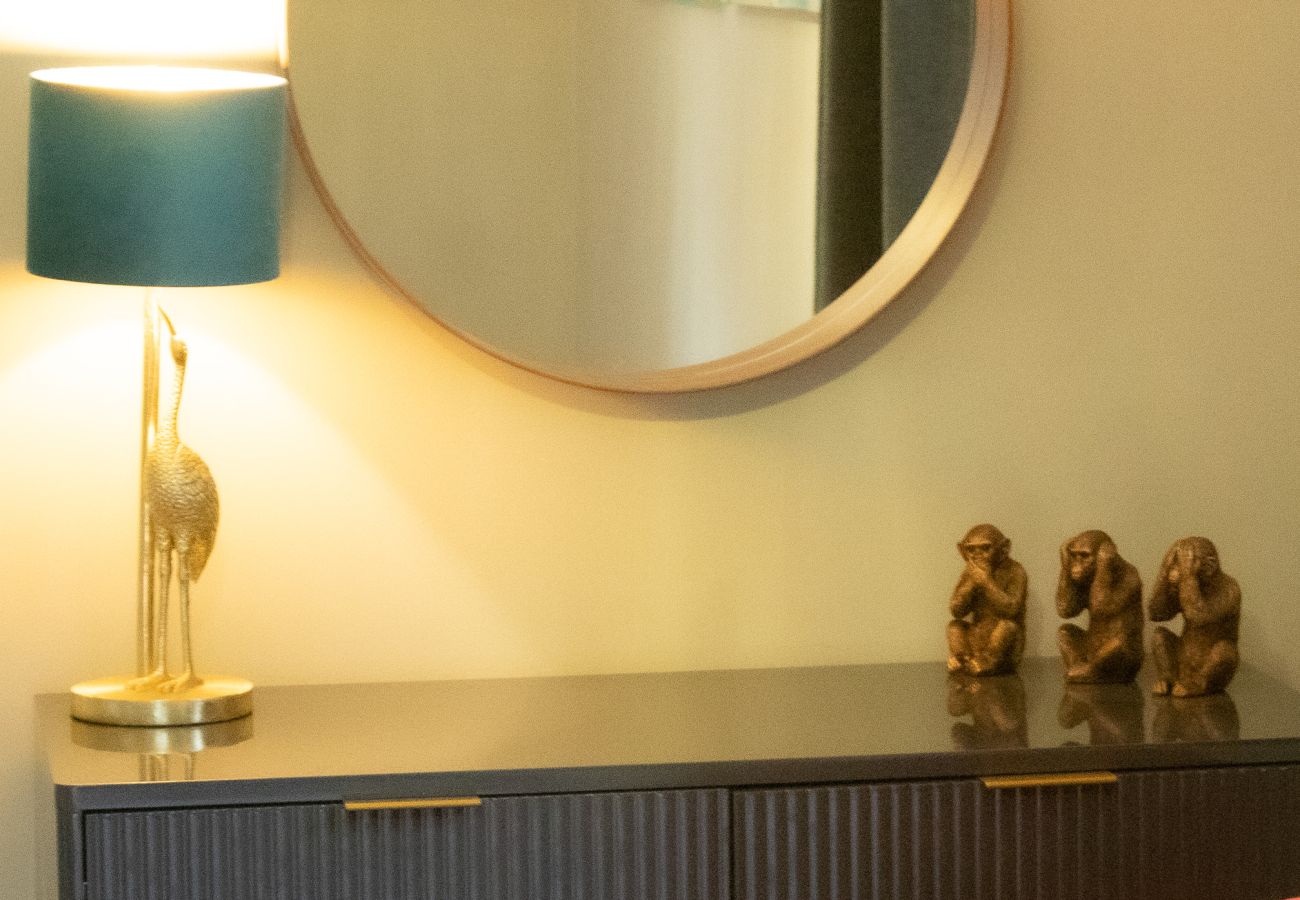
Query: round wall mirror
647,195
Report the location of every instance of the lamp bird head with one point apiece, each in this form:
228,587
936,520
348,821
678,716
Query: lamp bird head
179,351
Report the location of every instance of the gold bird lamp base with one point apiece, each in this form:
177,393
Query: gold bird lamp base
111,701
178,523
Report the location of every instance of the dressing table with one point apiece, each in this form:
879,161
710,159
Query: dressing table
833,782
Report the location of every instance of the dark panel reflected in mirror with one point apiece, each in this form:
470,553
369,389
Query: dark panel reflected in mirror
624,187
893,77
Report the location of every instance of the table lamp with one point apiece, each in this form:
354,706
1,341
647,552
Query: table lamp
158,177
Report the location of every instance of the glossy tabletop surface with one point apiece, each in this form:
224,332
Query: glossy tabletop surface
622,732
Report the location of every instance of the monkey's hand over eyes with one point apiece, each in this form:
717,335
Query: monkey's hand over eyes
1222,603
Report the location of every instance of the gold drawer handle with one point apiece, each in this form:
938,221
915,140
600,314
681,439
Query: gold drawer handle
427,803
1065,779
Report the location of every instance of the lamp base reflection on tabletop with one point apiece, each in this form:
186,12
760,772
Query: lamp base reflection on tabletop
111,702
165,754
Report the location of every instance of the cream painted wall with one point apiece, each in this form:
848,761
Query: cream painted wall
1109,340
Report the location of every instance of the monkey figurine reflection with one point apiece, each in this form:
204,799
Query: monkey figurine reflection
1096,578
1113,712
1204,658
1196,719
987,633
997,710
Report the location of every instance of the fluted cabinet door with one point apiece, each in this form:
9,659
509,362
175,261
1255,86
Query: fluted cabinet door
222,853
925,840
1230,833
669,845
1183,834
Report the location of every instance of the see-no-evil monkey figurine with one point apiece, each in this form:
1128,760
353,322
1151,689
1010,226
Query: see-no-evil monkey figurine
1204,658
987,633
1096,578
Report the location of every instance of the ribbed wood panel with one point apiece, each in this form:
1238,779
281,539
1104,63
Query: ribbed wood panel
231,853
621,846
925,840
1223,833
1201,834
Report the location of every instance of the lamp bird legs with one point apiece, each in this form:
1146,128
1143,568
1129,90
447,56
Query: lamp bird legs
182,512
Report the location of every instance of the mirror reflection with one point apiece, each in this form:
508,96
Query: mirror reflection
164,753
629,185
1213,717
1113,712
996,705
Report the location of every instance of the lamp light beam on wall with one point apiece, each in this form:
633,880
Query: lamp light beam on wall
158,177
144,29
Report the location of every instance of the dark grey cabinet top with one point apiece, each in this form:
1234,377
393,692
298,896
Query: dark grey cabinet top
659,731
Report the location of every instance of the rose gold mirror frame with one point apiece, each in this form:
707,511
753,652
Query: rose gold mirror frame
891,274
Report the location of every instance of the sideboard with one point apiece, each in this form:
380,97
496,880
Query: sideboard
827,783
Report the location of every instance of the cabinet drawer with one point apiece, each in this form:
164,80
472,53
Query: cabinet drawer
226,852
1225,833
670,845
1222,833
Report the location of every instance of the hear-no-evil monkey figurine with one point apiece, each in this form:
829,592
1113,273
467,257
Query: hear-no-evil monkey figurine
1096,578
1204,658
987,633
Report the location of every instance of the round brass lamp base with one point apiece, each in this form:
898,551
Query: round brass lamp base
110,702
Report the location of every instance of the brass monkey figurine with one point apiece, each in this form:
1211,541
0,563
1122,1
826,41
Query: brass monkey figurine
987,633
1096,578
1204,658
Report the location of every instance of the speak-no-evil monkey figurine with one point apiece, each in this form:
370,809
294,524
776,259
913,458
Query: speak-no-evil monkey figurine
987,633
1203,659
1096,578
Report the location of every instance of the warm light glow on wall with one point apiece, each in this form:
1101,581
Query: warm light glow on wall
193,28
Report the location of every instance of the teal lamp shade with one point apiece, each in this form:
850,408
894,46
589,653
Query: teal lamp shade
155,176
